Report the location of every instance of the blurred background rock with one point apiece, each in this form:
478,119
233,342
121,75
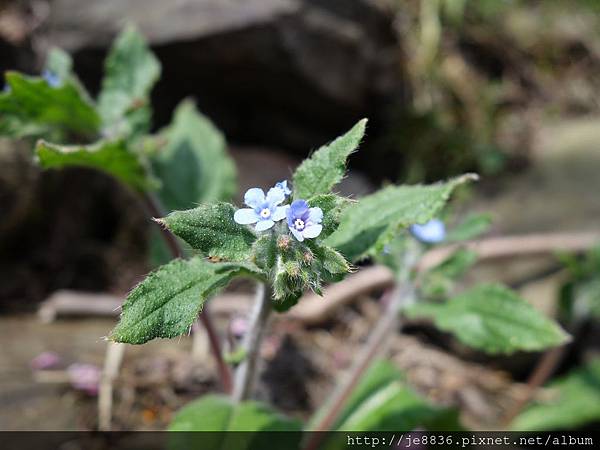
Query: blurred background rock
449,85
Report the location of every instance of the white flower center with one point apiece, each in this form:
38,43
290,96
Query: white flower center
299,224
265,213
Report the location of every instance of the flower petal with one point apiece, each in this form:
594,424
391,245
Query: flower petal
297,234
264,225
245,216
315,215
275,196
254,197
284,187
431,232
279,213
299,208
312,231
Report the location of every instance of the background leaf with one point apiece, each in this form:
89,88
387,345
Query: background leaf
33,107
168,301
220,413
494,319
574,401
130,73
193,165
372,222
473,225
440,280
111,157
327,166
212,230
383,402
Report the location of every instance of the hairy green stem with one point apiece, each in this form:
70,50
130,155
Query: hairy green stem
156,209
246,373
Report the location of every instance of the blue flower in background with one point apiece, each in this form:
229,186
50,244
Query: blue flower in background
284,187
263,211
431,232
304,222
51,78
6,89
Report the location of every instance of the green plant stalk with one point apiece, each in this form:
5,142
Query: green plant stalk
245,377
399,297
156,210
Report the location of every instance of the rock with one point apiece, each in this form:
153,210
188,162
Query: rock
288,73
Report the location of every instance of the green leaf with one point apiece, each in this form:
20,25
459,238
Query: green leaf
332,206
193,165
130,73
372,222
327,166
220,413
212,230
264,251
472,226
33,107
573,401
494,319
168,301
328,263
111,157
380,374
383,402
440,280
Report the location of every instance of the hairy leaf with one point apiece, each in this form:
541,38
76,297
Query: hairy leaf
130,72
212,230
32,107
327,166
571,402
329,264
168,301
220,413
111,157
494,319
372,222
332,206
264,251
193,165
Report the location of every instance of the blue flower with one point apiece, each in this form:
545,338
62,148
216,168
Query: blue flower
304,222
263,211
51,78
6,89
284,187
431,232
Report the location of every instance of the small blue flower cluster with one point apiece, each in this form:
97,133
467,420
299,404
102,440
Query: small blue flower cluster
303,221
51,78
432,232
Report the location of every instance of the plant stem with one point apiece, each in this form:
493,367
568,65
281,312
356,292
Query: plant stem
245,376
544,369
112,363
156,209
402,295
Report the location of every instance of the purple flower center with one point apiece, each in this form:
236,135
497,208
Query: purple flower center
298,215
